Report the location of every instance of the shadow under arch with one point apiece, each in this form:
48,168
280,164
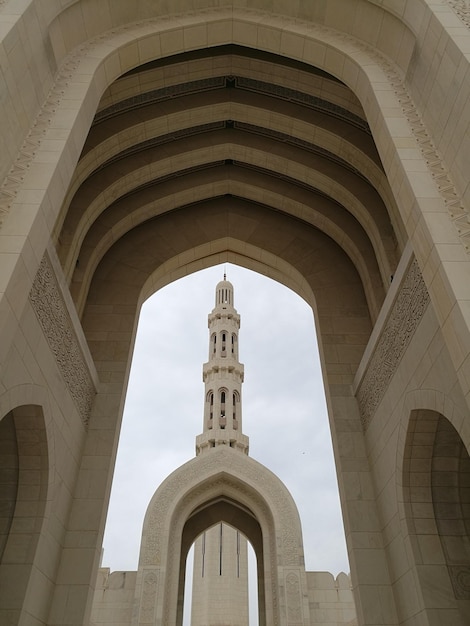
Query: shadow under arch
230,250
436,507
24,479
220,485
142,261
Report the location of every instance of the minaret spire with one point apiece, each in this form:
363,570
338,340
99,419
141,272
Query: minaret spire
223,376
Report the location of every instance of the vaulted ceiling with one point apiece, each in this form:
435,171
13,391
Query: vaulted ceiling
229,142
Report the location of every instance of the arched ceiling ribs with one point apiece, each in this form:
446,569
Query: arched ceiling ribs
254,184
232,61
128,264
263,156
355,244
231,123
259,87
135,126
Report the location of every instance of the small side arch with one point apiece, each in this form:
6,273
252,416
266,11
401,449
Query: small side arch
436,510
24,479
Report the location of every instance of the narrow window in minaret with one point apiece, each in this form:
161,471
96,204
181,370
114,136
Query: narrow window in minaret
211,408
224,339
214,343
238,554
203,548
222,410
220,552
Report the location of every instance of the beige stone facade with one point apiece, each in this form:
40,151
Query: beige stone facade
325,144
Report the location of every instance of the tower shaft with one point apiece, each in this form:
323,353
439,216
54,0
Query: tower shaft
220,575
220,580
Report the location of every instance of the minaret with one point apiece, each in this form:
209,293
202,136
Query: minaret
223,377
220,576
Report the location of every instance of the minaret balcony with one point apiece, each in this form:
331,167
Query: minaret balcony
223,363
222,437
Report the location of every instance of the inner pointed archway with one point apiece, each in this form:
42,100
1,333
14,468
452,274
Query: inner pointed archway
284,406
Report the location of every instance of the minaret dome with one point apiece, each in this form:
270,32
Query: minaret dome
224,294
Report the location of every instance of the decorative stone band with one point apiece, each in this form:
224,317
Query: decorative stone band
293,598
462,8
149,594
238,82
51,311
403,319
460,578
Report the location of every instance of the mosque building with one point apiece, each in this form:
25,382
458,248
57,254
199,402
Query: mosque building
324,144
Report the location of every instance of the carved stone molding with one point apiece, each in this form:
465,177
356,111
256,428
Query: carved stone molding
462,9
149,594
32,143
293,599
51,311
237,82
460,578
399,328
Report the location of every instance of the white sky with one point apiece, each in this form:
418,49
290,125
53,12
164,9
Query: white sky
283,407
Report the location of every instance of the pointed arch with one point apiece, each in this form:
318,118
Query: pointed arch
195,497
24,477
436,475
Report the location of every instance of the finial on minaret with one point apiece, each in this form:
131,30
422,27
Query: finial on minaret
223,376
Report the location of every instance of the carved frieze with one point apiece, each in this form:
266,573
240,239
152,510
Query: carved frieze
293,600
460,577
399,328
149,594
51,311
462,8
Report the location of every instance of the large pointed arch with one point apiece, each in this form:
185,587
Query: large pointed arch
375,60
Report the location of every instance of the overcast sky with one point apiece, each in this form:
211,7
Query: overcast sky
283,407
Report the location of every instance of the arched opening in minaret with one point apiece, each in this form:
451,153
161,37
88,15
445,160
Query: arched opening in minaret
283,407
